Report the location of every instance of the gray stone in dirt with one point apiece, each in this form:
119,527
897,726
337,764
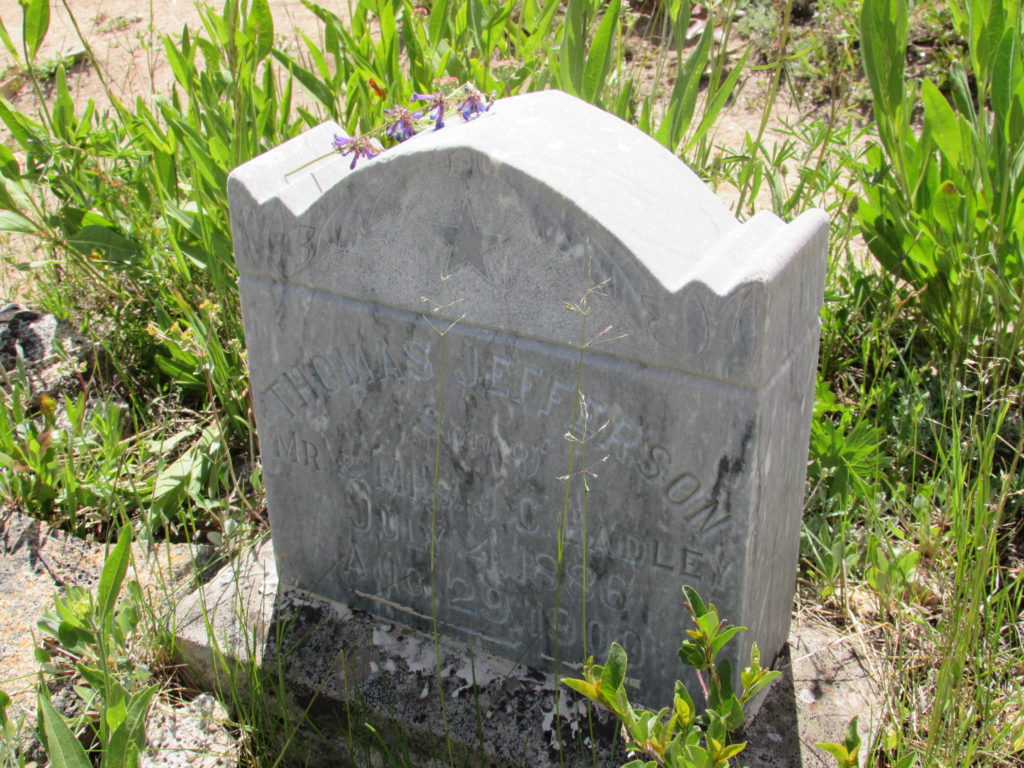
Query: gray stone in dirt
436,312
53,355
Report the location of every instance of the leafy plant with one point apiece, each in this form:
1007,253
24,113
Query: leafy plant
846,452
28,456
943,208
9,730
96,637
679,736
846,754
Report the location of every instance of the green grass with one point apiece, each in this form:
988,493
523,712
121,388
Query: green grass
914,498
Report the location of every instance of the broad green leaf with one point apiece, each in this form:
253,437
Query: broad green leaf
724,637
116,714
614,671
684,709
174,480
708,622
129,738
729,751
838,751
852,738
180,66
14,195
752,687
322,67
63,749
644,123
307,80
724,671
112,576
543,28
261,27
15,222
9,166
679,12
104,241
600,55
573,52
438,20
27,132
623,104
694,601
35,21
961,92
883,40
581,686
93,676
684,94
1006,77
62,114
941,122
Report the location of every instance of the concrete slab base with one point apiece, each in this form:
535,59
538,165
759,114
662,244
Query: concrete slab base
343,679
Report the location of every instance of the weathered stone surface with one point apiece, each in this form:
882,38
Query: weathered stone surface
408,320
329,669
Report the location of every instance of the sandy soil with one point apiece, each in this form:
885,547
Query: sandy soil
126,37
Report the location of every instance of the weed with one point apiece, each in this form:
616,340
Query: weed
679,736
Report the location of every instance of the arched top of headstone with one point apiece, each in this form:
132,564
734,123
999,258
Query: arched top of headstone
501,222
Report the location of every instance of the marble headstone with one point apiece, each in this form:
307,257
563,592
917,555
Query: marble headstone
538,325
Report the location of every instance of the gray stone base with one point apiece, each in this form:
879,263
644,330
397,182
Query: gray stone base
341,669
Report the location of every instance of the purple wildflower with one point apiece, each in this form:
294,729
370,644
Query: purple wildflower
437,104
401,126
357,146
476,103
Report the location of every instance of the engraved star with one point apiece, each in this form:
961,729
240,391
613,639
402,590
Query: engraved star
468,244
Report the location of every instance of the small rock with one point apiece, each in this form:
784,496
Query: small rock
53,354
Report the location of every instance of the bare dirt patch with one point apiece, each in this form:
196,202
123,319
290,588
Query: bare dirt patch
126,38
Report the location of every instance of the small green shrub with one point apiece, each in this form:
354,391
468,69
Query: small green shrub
679,736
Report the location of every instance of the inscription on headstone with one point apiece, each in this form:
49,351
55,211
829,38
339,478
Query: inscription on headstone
529,375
